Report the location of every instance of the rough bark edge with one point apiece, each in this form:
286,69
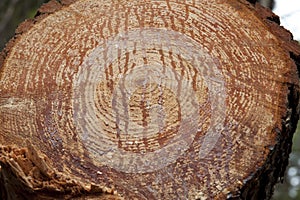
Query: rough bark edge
45,10
40,181
260,184
26,173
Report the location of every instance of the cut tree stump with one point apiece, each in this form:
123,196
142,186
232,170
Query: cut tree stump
147,100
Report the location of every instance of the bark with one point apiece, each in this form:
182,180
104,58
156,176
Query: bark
12,13
147,100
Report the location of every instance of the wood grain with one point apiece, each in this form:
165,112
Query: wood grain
147,99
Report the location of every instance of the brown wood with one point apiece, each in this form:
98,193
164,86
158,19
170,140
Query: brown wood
147,100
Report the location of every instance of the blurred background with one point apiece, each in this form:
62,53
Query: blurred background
13,12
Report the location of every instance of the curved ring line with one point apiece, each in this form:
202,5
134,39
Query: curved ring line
106,152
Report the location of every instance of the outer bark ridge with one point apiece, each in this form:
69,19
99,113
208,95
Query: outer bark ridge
37,168
262,182
27,174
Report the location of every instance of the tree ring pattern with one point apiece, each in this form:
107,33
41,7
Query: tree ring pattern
137,98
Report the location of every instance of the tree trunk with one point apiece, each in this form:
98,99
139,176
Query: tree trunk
147,100
12,13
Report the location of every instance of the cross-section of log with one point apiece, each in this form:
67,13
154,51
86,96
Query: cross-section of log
147,100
